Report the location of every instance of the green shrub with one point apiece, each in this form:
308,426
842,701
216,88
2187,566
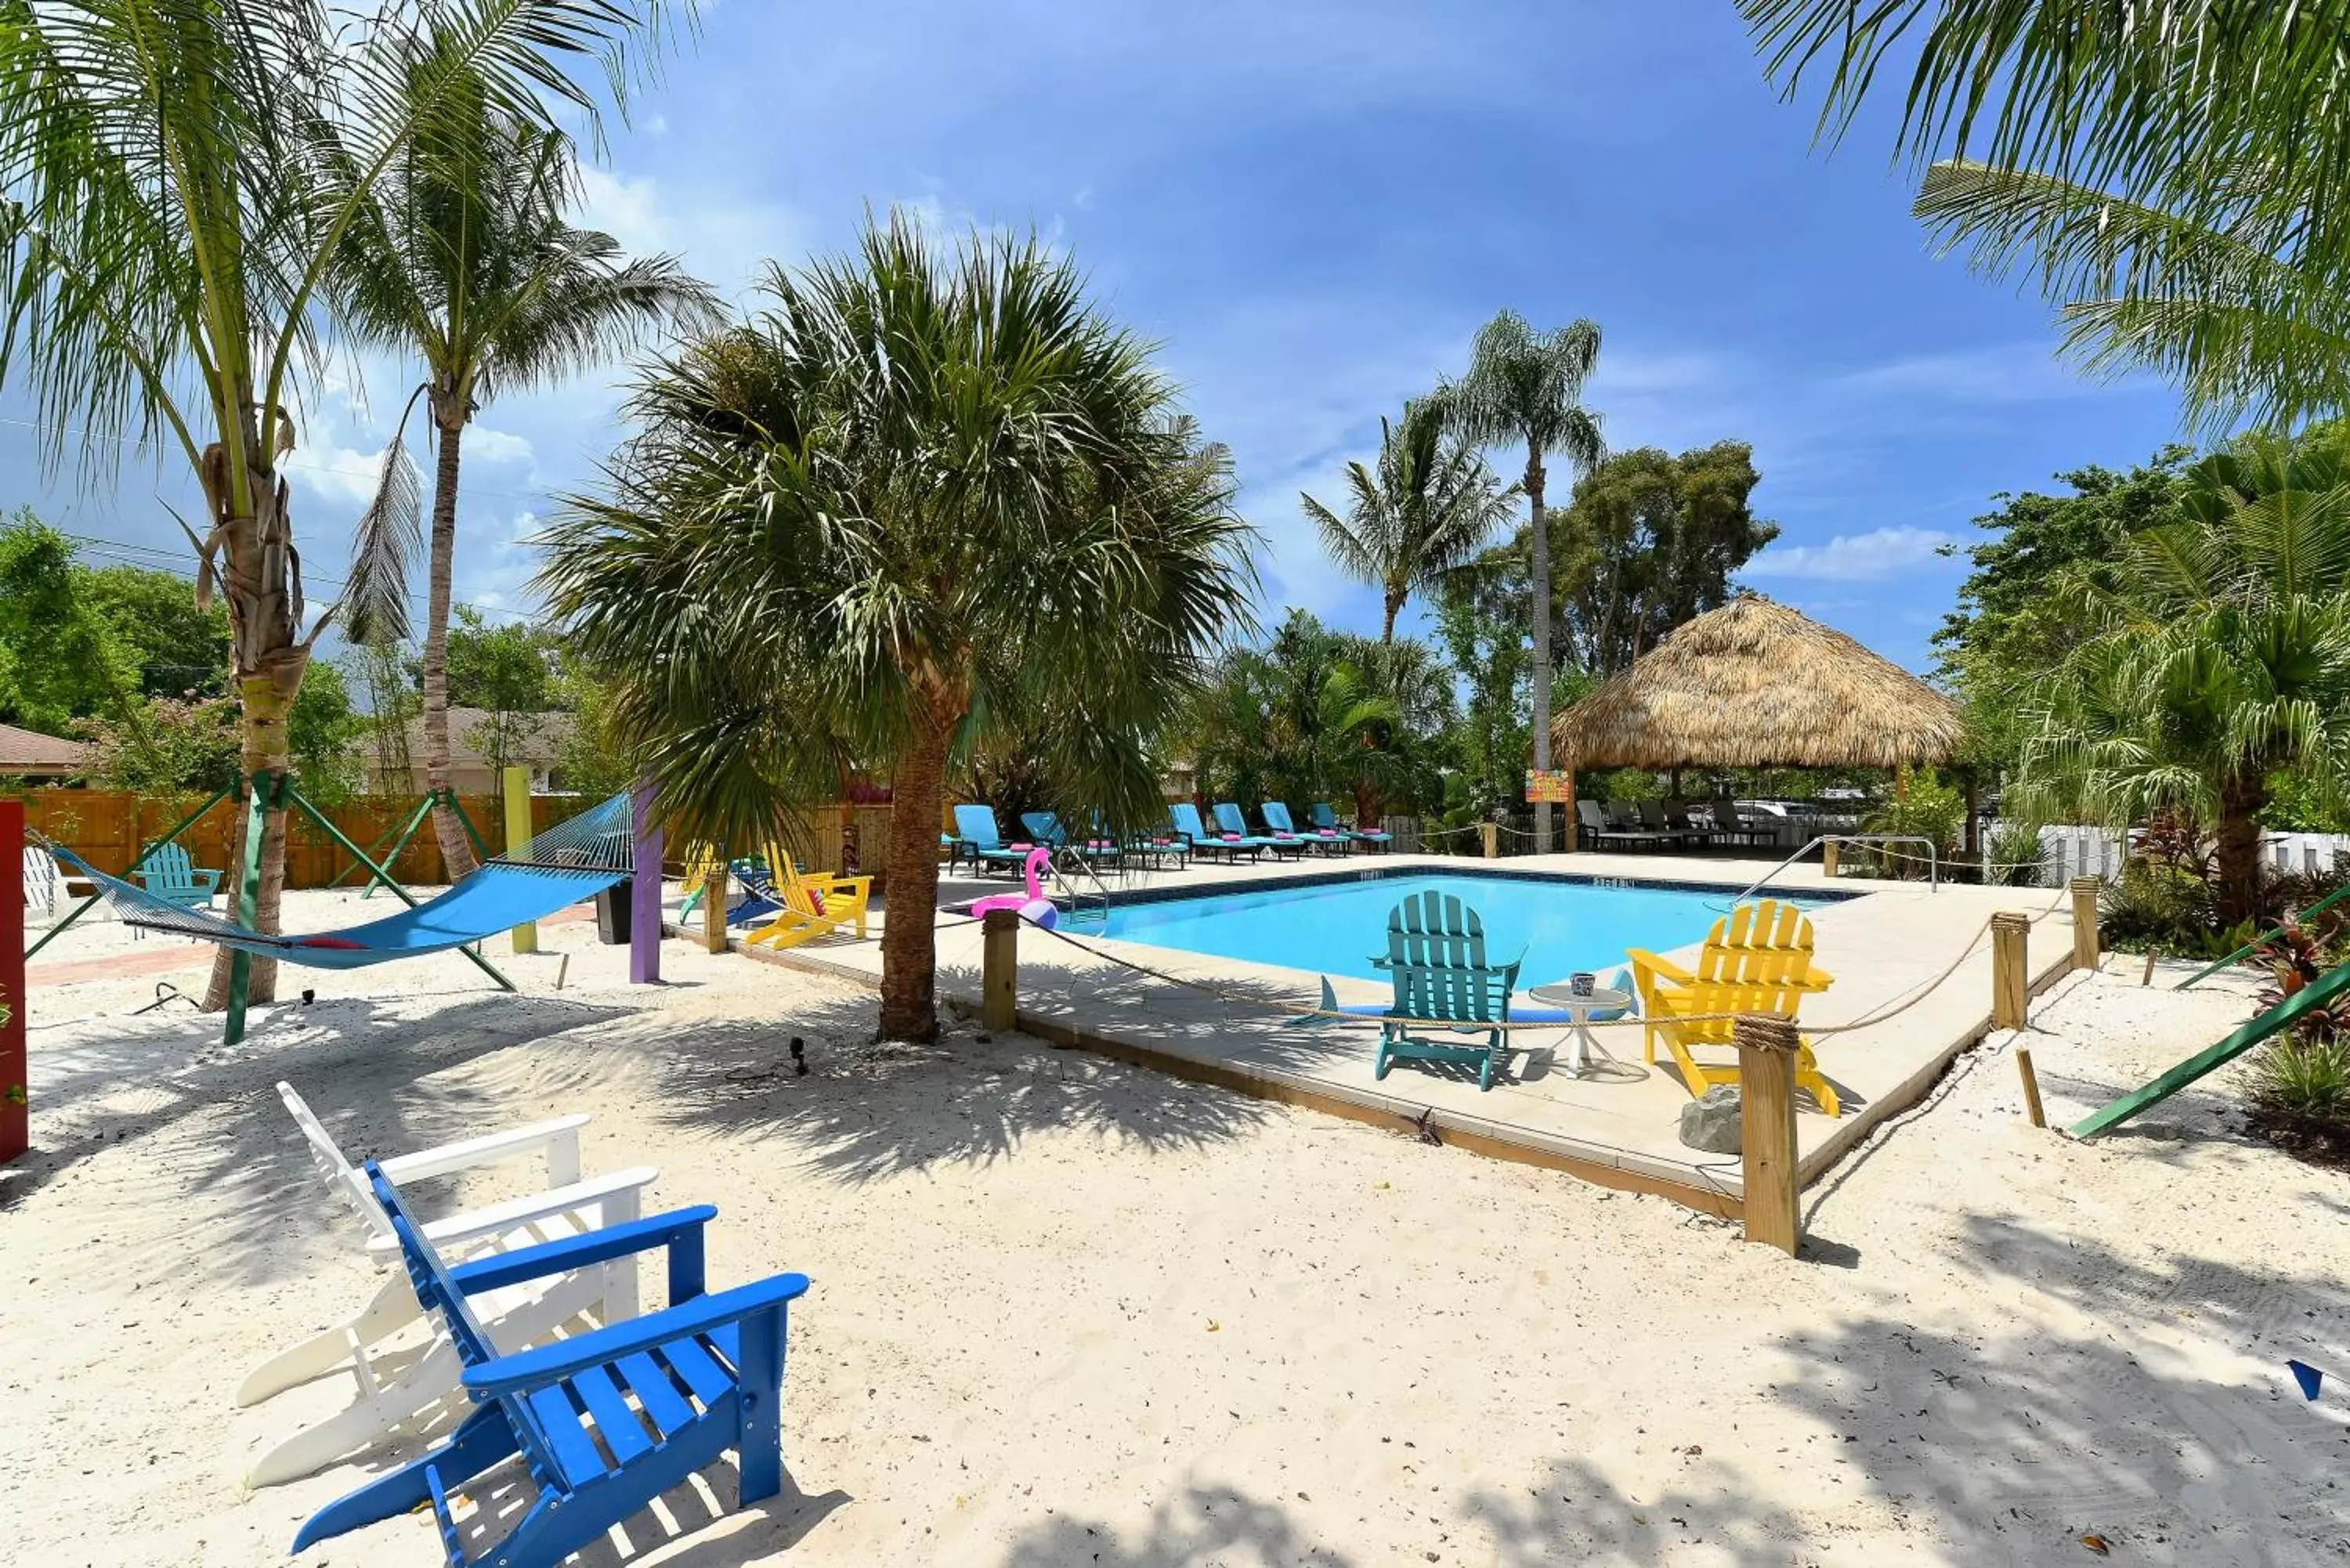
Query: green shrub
1923,807
2303,1078
2158,906
2016,855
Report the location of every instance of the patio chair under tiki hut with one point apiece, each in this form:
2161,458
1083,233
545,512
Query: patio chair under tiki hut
1757,685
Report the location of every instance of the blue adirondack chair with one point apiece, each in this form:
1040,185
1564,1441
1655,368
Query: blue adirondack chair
620,1389
1436,958
170,876
1324,817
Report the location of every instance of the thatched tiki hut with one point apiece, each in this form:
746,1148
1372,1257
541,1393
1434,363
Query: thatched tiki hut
1757,685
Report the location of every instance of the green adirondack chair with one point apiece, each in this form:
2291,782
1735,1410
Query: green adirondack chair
1436,959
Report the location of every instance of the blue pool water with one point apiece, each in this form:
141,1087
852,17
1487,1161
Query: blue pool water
1334,927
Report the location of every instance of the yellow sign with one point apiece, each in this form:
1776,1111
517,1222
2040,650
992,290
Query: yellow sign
1550,786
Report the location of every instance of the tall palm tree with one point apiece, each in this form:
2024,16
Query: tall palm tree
1524,386
1428,507
2172,172
2241,330
178,175
464,257
2220,658
918,489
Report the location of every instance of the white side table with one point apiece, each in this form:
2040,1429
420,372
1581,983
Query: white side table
1579,1009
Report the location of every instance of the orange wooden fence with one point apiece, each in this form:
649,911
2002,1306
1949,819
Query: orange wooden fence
108,827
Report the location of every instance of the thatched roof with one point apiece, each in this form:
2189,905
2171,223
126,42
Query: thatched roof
1754,684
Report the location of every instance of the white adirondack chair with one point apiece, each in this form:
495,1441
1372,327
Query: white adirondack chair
398,1383
40,881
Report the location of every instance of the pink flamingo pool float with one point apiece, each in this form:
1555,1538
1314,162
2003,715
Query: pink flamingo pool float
1032,905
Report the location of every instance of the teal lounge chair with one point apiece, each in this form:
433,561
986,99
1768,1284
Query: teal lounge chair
170,875
978,842
1230,821
1045,828
1188,828
1321,840
1436,957
1371,837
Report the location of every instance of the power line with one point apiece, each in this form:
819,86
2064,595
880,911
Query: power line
156,558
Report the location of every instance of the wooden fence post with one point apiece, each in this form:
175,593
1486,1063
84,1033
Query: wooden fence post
999,984
713,902
1492,833
2009,969
2084,921
1767,1085
518,832
15,1063
2023,1070
1828,860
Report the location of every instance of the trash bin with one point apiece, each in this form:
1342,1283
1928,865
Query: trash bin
614,907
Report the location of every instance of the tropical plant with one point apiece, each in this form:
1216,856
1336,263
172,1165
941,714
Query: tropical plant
166,745
1428,508
1923,807
2169,173
179,174
1526,386
1482,612
917,484
1649,541
463,256
2219,658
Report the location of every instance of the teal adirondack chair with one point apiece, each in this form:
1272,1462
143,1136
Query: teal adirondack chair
1436,958
170,876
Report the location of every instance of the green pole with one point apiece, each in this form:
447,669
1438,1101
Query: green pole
415,820
2316,993
248,900
481,845
2322,904
295,799
92,902
397,836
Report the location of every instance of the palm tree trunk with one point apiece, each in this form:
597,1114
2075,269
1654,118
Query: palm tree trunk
1541,565
1386,628
2237,847
456,849
268,660
909,933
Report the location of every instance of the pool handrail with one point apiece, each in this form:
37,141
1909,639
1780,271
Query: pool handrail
1933,860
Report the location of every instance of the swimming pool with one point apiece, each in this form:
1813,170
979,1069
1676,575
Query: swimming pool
1334,928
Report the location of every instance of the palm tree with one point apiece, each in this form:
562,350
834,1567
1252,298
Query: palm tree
2241,329
2220,658
919,490
1524,386
1427,510
178,176
2171,173
463,256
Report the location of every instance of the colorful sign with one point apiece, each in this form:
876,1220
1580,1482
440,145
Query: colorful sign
1550,786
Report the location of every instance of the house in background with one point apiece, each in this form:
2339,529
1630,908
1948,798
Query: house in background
30,755
534,741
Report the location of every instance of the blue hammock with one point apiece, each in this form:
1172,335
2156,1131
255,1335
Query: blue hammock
572,861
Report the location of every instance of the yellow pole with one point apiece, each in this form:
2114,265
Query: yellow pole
518,832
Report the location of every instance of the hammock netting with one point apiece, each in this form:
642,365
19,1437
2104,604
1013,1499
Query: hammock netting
570,862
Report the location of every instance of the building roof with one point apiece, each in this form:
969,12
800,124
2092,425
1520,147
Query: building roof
538,737
31,752
1755,684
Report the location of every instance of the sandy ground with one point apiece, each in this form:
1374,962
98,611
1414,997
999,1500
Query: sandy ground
1071,1312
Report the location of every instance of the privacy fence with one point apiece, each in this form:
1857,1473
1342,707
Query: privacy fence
108,827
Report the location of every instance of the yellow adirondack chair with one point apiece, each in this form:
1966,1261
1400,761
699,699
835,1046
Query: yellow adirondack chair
1757,959
813,905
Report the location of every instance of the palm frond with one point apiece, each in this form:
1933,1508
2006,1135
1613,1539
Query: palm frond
384,543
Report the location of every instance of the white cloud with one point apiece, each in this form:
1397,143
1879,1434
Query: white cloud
487,445
2021,372
1854,557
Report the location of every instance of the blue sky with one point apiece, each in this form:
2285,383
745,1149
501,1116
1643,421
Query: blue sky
1313,206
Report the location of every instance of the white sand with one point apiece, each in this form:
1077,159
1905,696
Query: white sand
1071,1312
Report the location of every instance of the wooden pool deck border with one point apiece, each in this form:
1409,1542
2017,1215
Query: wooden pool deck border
1624,1170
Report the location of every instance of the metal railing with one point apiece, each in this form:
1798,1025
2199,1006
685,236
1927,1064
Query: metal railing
1933,858
1067,864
